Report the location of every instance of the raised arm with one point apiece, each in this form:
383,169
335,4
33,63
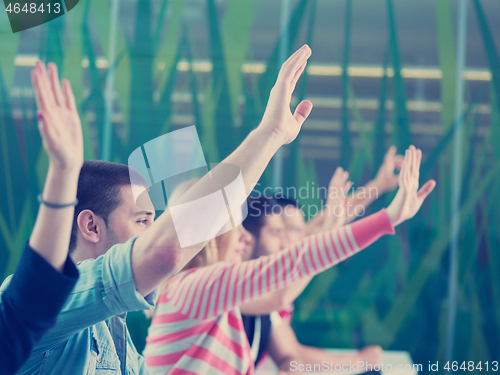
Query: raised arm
385,180
45,276
276,300
61,132
210,291
333,217
156,254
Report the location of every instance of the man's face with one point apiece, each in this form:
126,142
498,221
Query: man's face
294,223
272,237
129,219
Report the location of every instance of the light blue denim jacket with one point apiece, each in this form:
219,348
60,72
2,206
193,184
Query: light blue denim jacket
80,342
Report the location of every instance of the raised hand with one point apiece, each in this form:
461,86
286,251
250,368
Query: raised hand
335,211
58,119
409,199
386,179
278,117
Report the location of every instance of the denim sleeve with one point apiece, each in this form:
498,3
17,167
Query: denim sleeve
30,304
105,288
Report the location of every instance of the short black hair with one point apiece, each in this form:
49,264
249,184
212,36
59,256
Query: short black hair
99,190
285,202
258,208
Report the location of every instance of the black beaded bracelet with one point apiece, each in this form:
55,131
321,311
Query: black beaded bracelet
54,205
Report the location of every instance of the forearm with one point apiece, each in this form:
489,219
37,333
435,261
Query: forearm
157,254
312,355
362,198
254,154
313,226
276,300
52,231
277,271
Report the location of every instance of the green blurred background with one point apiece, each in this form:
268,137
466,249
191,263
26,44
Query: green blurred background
382,72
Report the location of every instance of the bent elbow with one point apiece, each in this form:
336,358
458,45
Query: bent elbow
166,261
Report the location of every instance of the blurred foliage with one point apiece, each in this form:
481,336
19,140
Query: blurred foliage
393,294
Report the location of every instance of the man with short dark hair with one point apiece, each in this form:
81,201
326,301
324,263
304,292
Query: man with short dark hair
277,222
124,255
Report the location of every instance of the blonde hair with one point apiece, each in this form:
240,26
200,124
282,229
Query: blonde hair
216,249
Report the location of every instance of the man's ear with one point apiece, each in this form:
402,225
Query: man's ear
89,225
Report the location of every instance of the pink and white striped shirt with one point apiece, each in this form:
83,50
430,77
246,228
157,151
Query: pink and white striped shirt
197,328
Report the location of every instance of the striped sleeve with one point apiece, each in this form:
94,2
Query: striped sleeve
192,293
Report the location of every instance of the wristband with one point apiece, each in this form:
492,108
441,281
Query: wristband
55,205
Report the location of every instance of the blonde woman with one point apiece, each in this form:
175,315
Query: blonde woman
197,328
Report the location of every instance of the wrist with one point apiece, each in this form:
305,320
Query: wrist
270,135
60,185
267,138
63,171
394,216
379,185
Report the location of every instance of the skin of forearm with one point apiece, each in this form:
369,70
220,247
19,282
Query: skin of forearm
157,252
275,300
312,355
52,231
370,192
313,225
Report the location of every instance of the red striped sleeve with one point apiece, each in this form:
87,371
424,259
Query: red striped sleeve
281,268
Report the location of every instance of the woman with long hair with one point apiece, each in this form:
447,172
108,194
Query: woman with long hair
197,328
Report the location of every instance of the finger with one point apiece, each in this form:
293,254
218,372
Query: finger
70,97
298,74
293,64
304,50
414,164
408,168
44,85
398,161
405,168
347,187
302,111
55,84
402,175
344,178
36,88
340,180
419,159
335,176
48,133
410,162
390,152
426,189
408,159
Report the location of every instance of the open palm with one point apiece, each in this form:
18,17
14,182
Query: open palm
278,116
335,210
409,199
386,179
59,123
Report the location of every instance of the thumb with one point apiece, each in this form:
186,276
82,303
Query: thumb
426,189
302,111
391,152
